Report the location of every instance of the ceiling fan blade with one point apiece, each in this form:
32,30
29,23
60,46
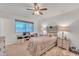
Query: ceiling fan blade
40,12
43,9
29,9
36,9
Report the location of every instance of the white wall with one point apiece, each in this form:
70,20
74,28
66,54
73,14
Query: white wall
0,26
74,33
7,29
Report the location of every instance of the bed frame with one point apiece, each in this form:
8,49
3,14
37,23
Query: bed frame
53,31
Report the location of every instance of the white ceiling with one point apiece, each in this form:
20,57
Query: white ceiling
19,9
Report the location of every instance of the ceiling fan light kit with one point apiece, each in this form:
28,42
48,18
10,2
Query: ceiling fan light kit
36,13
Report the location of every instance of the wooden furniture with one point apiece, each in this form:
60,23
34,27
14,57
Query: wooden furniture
20,39
39,45
24,37
52,30
2,46
63,43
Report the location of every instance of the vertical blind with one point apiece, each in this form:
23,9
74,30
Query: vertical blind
24,26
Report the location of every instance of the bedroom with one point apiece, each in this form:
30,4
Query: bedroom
57,14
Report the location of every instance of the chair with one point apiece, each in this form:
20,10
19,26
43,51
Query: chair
26,36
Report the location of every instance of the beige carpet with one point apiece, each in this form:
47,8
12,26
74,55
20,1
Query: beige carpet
56,51
20,49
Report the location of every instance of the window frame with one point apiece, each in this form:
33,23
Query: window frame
25,27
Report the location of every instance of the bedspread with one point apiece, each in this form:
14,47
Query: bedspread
38,45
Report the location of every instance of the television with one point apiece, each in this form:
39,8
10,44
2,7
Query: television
24,26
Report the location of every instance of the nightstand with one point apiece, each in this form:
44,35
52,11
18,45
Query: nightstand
63,43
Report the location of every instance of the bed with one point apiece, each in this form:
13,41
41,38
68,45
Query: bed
39,45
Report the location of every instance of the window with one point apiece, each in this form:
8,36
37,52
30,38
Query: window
24,26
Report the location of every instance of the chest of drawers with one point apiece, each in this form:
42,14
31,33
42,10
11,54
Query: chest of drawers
2,46
62,43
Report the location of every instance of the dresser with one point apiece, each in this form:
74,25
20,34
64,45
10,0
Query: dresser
2,46
63,43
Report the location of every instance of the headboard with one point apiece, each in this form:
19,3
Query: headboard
52,30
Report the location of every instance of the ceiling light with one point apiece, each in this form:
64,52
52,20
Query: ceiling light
36,13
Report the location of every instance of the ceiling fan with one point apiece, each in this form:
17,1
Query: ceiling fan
37,10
